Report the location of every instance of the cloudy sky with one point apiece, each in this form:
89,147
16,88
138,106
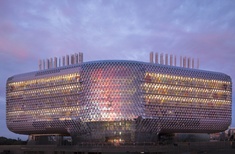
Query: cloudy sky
113,29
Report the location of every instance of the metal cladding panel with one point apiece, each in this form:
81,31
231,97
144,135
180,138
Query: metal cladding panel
111,91
118,99
186,99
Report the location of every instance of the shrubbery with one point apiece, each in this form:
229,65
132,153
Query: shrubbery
6,141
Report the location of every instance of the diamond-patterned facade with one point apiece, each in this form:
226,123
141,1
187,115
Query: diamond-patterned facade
118,100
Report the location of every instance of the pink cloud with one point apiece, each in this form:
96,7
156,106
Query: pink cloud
14,48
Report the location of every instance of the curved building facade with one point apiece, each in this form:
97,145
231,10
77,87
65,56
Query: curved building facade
123,101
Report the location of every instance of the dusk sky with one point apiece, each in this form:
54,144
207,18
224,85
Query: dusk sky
113,29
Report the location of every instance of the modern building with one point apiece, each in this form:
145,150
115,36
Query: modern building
117,100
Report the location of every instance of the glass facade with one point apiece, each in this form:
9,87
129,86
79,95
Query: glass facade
118,101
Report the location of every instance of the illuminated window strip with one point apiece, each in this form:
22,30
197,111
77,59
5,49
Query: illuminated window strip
186,99
172,77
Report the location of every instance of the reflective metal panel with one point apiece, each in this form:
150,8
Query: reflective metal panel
118,101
